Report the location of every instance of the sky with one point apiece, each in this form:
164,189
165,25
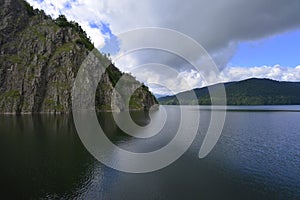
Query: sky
244,38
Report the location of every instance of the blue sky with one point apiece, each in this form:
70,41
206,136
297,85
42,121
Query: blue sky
111,45
111,41
282,49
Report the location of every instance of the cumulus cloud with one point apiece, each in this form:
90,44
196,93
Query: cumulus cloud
217,25
170,81
276,72
173,82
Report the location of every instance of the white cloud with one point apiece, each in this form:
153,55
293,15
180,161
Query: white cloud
166,80
218,25
276,72
173,82
98,38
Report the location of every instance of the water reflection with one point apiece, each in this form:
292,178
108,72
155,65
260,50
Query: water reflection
42,156
257,157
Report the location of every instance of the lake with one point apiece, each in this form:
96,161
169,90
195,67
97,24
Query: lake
256,157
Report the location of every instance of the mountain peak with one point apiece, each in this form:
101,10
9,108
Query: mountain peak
39,60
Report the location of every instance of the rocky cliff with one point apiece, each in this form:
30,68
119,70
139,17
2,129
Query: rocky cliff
39,61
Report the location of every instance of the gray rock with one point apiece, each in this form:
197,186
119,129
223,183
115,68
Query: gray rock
39,61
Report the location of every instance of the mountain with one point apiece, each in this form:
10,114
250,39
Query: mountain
39,61
247,92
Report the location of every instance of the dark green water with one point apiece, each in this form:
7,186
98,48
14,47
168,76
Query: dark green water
257,157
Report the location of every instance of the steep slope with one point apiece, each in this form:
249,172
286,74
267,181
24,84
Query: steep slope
39,60
248,92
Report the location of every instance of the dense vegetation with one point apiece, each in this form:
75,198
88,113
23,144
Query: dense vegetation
247,92
63,22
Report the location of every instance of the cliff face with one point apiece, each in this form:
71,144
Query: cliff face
39,61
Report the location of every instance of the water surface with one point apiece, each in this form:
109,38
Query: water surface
257,157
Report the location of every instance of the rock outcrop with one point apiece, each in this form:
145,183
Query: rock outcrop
39,61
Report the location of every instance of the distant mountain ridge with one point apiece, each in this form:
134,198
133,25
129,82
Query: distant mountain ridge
252,91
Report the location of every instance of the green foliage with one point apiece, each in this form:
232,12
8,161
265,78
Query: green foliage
104,108
114,74
63,22
50,102
67,47
247,92
36,32
53,105
136,100
10,94
86,43
33,12
29,9
13,58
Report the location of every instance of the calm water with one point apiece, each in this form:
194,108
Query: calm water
257,157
